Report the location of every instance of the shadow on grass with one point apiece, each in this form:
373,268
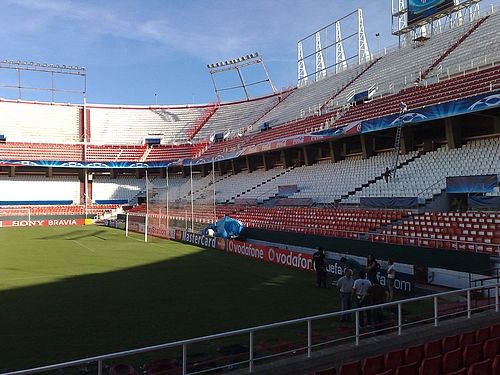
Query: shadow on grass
196,294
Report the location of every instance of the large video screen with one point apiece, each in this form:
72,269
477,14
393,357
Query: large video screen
420,9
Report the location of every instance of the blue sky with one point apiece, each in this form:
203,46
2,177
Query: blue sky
134,49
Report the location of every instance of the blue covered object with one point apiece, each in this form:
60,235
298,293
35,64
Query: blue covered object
226,227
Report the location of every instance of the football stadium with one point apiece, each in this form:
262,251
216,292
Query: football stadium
346,225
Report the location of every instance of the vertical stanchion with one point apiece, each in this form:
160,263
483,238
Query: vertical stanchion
192,197
184,359
250,354
309,338
357,327
435,311
496,296
468,304
99,367
400,318
147,209
126,225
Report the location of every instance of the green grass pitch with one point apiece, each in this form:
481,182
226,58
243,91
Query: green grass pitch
73,292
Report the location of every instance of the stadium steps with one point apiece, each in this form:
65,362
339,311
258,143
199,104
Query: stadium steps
259,184
281,97
134,199
450,49
377,178
200,123
146,154
348,84
202,189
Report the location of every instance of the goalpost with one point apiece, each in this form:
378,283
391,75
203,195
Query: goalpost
11,214
154,220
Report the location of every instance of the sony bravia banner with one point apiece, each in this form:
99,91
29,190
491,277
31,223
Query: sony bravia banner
420,9
41,223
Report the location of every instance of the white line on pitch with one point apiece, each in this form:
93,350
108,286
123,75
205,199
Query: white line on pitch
85,246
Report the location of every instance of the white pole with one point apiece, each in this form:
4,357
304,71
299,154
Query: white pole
192,197
168,217
29,214
147,209
126,225
213,183
85,189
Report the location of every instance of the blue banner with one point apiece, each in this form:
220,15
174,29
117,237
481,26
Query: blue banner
420,9
484,202
471,184
434,112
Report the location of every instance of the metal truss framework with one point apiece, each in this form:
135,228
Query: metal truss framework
462,11
322,67
53,70
238,65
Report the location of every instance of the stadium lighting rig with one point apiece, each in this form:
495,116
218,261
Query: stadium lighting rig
238,64
53,69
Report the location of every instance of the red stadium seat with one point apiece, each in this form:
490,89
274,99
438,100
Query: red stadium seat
414,354
433,348
462,371
495,331
472,354
373,365
431,365
450,343
452,360
495,366
491,348
483,334
480,368
352,368
408,369
467,338
394,359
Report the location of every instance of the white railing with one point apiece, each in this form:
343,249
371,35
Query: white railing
432,302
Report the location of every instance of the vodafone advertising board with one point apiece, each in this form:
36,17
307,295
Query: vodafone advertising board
41,223
269,254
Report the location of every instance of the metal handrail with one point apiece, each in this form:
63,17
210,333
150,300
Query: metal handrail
252,330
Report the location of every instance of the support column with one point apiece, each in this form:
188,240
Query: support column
49,172
235,167
496,124
265,162
366,145
334,152
251,163
308,159
12,171
407,140
453,130
113,174
222,168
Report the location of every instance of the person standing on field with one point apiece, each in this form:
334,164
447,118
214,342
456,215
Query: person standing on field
320,266
391,276
345,285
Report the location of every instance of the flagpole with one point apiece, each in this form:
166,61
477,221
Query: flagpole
213,183
192,197
147,209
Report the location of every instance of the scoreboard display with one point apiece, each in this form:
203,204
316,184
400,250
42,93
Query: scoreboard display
420,9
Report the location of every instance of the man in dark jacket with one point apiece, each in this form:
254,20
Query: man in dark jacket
320,266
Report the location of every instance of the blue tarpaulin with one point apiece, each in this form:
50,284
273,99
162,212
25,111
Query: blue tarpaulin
226,227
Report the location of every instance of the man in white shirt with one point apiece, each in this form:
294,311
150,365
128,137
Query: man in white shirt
359,289
345,285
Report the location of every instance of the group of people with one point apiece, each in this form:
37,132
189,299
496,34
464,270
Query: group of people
359,284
